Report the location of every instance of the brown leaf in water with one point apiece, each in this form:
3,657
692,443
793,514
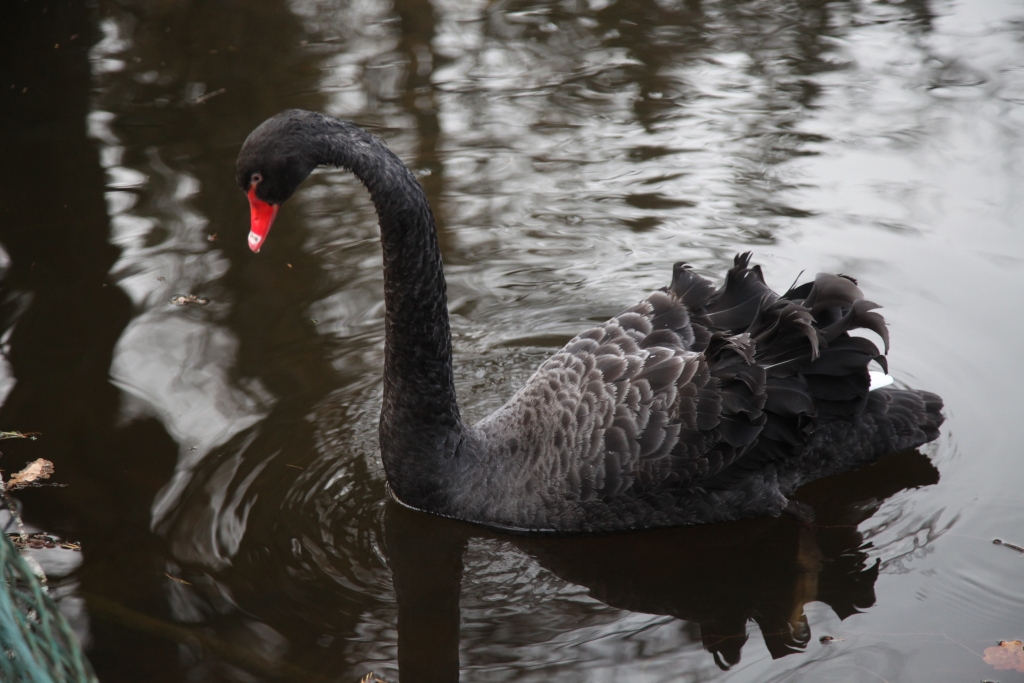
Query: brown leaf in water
38,469
1007,655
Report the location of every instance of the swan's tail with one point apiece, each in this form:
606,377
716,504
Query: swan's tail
894,420
808,408
903,419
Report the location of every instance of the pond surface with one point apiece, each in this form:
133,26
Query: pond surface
221,462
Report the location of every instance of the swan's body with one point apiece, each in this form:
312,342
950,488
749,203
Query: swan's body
695,405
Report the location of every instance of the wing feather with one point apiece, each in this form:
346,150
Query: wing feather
695,386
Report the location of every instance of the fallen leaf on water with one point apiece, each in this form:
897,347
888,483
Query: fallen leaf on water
175,578
830,639
189,299
1007,655
38,469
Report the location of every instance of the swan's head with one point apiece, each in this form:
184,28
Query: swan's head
273,161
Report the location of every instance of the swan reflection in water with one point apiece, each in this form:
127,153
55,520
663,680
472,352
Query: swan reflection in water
717,577
322,564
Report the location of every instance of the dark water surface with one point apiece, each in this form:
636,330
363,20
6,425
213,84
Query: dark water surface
221,461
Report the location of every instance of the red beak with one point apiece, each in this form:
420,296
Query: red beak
263,215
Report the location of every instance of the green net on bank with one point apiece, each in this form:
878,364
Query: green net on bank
36,643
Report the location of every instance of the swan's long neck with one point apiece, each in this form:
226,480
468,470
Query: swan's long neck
420,427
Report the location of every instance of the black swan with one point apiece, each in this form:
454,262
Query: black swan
698,404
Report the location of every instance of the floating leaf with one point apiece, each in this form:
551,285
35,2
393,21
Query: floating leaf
37,469
1007,655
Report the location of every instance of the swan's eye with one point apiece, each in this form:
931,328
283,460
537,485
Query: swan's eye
256,178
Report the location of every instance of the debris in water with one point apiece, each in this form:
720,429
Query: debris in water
830,639
999,541
372,678
203,98
37,469
20,435
211,237
189,299
295,466
175,578
29,476
41,539
1007,655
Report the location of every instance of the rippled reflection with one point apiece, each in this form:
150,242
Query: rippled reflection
221,460
715,579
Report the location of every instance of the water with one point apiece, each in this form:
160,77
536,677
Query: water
221,461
